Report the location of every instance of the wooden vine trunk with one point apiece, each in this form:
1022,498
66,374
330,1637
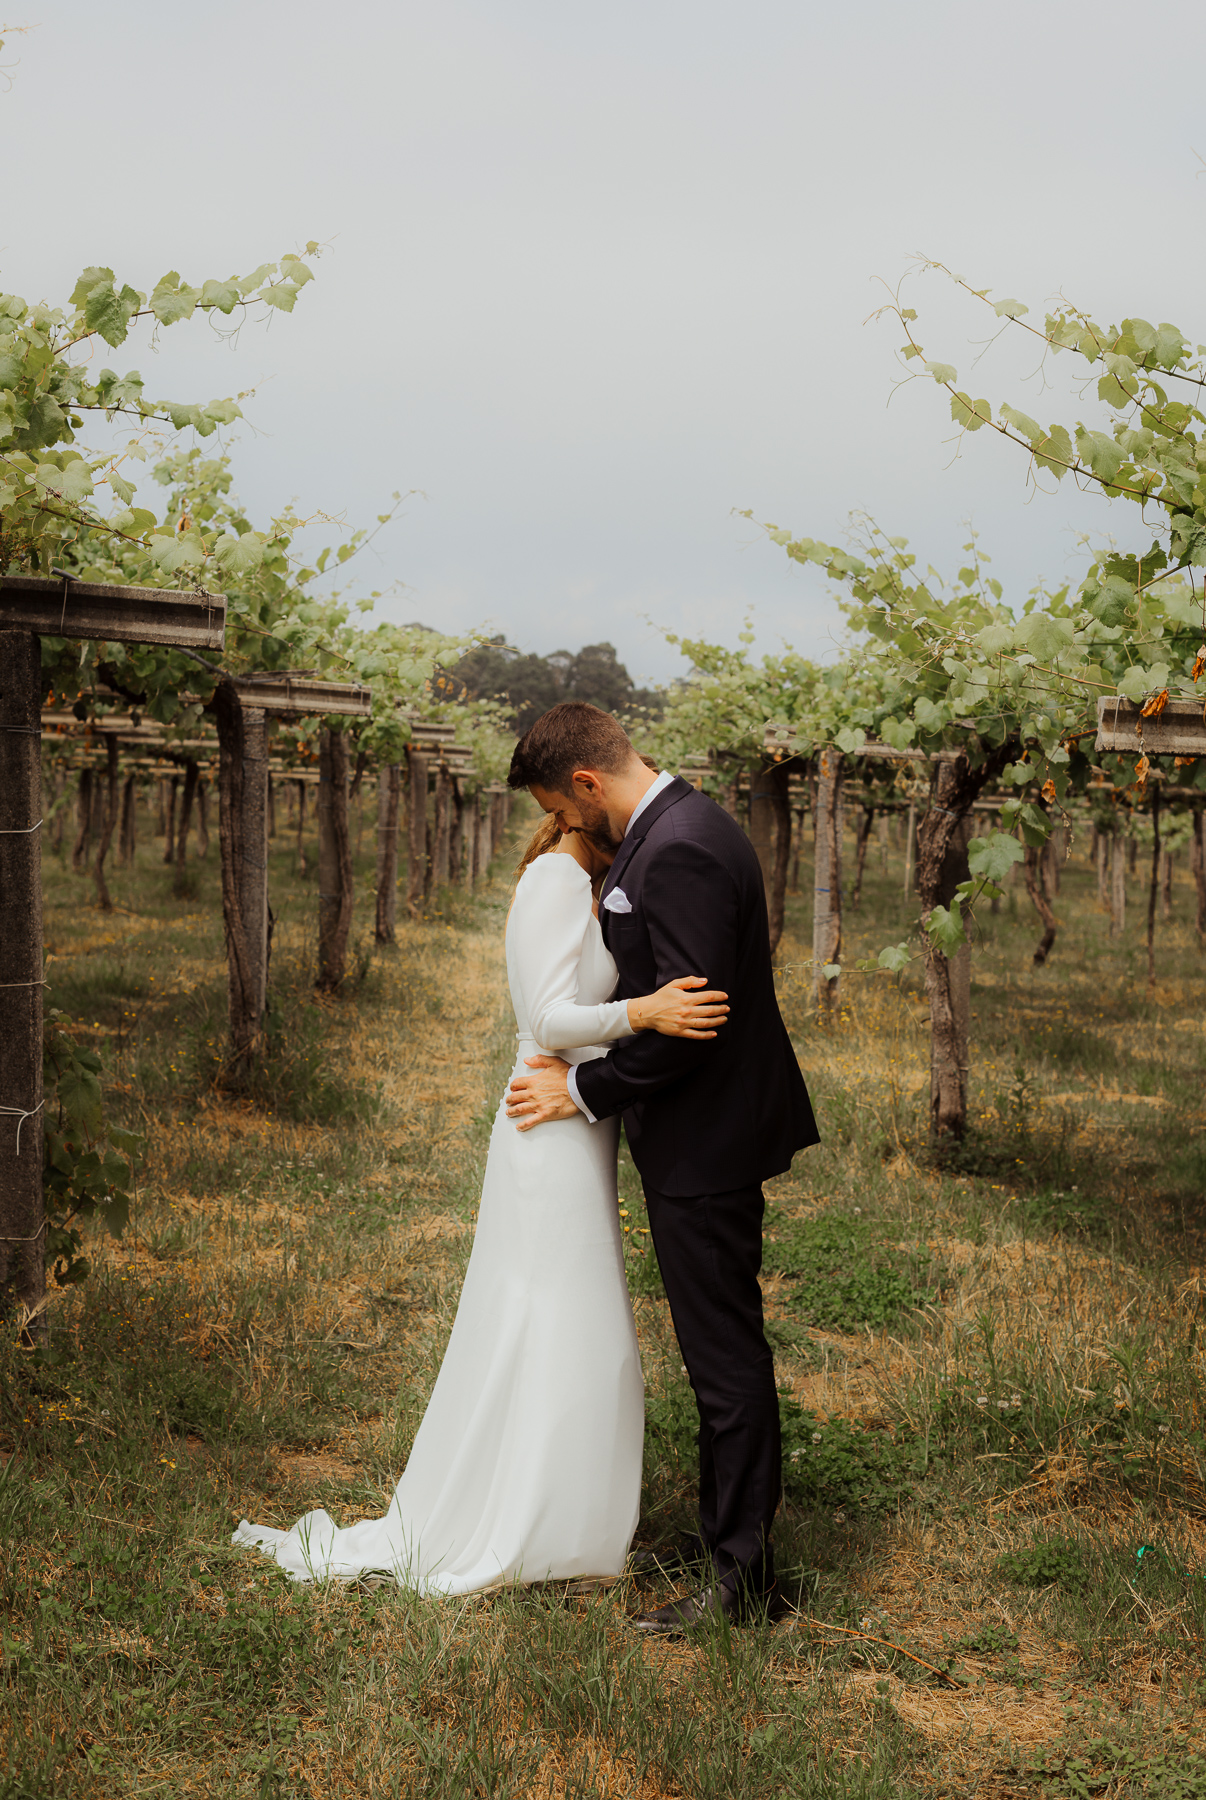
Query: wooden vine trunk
485,844
775,779
203,820
456,836
184,825
389,793
83,821
301,826
910,868
334,860
242,768
827,883
108,821
1153,890
416,871
1117,885
442,835
942,840
862,839
1036,866
1197,863
761,829
128,837
469,834
22,1211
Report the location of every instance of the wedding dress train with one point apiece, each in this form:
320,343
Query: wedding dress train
527,1465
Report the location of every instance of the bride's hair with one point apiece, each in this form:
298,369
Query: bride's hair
546,836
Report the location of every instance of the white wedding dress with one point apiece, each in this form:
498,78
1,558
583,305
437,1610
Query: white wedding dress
527,1465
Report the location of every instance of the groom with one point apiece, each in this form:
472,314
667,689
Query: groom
707,1121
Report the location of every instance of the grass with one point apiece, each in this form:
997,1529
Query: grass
992,1392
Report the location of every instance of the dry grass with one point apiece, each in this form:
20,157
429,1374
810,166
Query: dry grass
264,1339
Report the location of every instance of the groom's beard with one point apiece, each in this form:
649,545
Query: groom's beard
598,829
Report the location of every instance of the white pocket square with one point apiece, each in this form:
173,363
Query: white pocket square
617,901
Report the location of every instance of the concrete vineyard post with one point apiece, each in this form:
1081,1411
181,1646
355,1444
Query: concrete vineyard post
389,790
22,1211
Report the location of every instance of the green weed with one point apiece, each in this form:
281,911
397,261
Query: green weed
843,1275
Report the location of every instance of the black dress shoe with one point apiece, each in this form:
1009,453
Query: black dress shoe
669,1559
722,1599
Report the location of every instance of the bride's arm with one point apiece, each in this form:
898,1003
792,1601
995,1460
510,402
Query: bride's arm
677,1010
545,933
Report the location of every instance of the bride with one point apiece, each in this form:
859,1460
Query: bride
527,1465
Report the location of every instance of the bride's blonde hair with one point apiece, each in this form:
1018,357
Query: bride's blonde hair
546,836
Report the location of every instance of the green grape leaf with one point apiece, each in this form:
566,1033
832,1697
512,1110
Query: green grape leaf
236,555
894,958
89,281
1099,453
70,484
944,928
224,295
993,856
172,300
1022,422
969,413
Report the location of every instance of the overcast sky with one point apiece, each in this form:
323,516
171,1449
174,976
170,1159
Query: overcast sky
597,276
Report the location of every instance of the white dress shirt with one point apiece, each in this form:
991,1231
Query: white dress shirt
663,781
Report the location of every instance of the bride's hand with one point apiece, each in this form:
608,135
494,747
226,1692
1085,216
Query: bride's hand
676,1010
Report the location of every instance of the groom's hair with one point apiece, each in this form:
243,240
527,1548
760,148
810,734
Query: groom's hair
571,736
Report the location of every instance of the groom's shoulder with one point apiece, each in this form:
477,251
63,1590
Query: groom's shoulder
696,818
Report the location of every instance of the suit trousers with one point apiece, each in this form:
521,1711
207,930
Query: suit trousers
709,1250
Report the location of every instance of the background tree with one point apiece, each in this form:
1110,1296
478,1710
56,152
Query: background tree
528,684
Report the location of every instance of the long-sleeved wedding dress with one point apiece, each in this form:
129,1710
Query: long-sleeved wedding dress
527,1465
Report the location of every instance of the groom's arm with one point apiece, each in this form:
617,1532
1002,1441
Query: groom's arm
689,906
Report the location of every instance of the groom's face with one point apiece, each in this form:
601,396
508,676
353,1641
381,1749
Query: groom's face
583,810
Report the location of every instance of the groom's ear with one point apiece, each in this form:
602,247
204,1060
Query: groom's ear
587,781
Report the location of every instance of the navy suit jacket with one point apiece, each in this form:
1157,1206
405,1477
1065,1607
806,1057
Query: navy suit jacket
730,1111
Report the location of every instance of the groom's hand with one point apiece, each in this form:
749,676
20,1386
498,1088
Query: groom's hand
542,1096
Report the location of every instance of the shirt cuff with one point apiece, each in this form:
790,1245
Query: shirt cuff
571,1082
